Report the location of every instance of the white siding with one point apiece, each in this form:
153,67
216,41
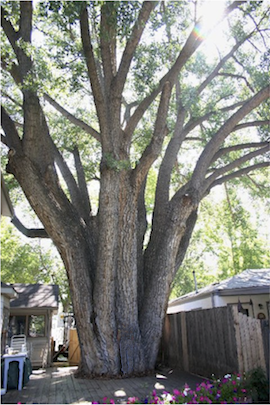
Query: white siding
200,303
211,301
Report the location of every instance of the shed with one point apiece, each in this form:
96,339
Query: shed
7,293
31,314
248,290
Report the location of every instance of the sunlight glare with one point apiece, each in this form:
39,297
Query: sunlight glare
210,11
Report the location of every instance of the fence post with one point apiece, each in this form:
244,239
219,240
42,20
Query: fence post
184,341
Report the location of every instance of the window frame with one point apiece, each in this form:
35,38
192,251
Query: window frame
28,323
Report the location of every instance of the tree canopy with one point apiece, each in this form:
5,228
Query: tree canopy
125,95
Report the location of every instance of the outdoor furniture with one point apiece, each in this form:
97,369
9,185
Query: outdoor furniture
18,342
8,358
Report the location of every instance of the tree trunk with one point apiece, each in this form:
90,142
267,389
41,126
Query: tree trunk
116,338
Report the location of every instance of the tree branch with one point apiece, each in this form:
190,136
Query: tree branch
92,70
191,45
76,121
237,77
184,244
82,182
13,70
236,163
108,42
167,164
216,141
26,20
233,148
251,124
221,64
68,178
11,99
238,173
9,127
194,122
11,34
152,151
132,44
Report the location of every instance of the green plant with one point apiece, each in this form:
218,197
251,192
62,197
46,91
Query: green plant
258,385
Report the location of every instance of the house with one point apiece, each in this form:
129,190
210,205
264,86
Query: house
6,205
249,290
7,293
31,314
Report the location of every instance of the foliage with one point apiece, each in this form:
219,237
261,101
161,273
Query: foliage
230,237
30,263
258,385
20,262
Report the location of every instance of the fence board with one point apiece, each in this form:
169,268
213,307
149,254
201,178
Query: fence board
74,351
240,356
265,337
215,341
184,341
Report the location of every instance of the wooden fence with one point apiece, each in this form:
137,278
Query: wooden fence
214,341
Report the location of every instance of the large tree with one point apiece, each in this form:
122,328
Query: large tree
155,103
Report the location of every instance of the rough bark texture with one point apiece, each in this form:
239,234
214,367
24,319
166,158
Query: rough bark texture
119,289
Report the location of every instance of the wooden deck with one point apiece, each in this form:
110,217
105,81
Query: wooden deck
57,385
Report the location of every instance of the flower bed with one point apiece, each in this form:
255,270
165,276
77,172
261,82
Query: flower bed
231,389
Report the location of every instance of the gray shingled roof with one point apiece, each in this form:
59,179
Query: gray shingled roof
35,296
248,278
251,280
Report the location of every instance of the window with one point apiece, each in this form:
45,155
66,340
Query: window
17,325
36,325
29,325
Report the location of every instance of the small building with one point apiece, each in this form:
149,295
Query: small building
31,314
249,290
7,293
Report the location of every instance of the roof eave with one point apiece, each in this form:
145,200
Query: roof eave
9,292
244,291
190,298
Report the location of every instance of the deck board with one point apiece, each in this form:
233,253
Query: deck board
58,385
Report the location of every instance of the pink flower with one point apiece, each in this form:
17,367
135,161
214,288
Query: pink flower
132,400
176,392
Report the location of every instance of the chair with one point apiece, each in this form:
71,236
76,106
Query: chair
17,341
